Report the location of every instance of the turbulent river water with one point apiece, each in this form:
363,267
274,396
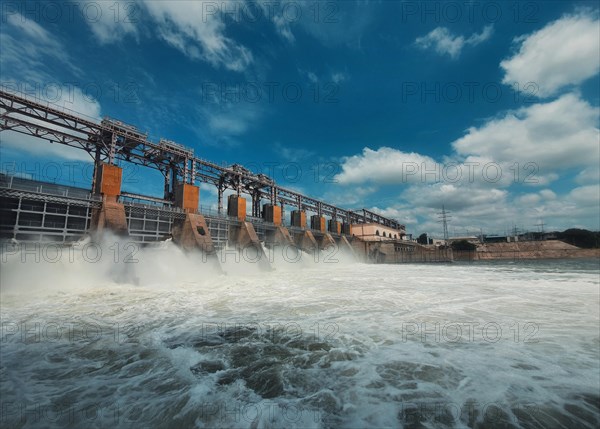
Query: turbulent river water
163,340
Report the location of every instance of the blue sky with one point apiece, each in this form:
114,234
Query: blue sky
490,108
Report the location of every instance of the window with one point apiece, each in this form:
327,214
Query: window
377,232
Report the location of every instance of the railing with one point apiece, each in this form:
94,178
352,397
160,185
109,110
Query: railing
9,182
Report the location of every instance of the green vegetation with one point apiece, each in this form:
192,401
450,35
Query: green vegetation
580,238
463,245
422,239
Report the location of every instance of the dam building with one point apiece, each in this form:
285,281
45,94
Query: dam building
259,212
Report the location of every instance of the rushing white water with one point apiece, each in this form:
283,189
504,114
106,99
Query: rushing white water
168,342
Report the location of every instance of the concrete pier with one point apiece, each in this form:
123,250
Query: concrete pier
243,236
236,207
272,213
62,213
298,219
36,211
334,227
317,223
193,234
111,214
326,241
306,241
345,245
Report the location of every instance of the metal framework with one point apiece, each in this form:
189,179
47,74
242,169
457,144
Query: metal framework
112,140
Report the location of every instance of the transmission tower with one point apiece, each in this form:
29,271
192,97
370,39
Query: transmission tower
541,225
444,219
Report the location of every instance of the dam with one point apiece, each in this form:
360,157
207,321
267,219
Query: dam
39,212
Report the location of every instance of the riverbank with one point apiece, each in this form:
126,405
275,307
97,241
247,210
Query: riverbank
550,249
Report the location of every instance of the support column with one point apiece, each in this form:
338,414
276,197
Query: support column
96,176
272,213
347,229
246,240
236,207
298,218
167,187
334,226
317,223
192,234
111,214
326,241
306,241
345,245
187,197
256,204
279,237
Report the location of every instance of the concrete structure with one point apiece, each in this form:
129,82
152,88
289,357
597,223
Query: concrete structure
377,232
111,214
317,223
298,219
65,214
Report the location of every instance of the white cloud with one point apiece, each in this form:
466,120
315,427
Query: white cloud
548,194
384,165
28,51
453,197
294,154
496,212
331,24
443,41
196,28
588,175
189,27
111,21
226,120
557,135
282,26
564,52
586,194
338,77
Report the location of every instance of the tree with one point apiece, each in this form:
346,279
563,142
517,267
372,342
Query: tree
423,239
580,238
463,245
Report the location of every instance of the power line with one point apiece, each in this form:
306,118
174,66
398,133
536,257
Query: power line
444,219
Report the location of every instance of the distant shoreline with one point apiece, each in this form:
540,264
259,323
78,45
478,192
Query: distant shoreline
551,249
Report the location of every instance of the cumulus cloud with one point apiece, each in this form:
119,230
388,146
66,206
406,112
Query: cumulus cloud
564,52
531,146
495,212
443,41
557,135
384,165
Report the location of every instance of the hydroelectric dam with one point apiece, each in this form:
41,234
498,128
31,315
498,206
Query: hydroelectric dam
39,212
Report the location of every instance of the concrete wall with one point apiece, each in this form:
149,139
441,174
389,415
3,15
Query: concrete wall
374,232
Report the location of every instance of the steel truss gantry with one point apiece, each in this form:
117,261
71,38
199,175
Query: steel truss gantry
112,140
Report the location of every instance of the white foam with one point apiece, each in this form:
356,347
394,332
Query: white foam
379,363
